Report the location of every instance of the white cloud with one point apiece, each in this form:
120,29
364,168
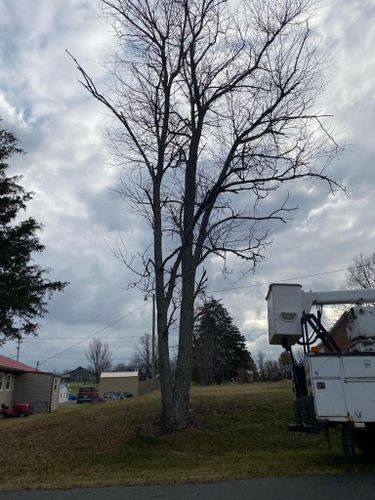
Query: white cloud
61,128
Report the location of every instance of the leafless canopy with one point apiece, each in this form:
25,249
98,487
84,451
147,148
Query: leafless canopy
361,274
99,357
142,358
214,102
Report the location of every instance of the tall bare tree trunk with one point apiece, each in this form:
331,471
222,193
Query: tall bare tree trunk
165,369
215,107
162,311
181,396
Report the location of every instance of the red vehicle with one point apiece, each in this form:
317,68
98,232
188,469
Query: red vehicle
87,395
18,410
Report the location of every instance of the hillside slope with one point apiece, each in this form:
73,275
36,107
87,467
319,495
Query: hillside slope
238,431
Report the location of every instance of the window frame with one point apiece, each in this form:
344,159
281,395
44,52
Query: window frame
8,382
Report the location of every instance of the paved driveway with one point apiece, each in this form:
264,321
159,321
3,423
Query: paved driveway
285,488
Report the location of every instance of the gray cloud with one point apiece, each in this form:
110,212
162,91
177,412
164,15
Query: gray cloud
61,128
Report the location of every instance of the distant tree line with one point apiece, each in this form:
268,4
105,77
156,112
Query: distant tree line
220,353
272,370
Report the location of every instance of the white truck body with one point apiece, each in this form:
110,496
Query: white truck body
342,385
335,387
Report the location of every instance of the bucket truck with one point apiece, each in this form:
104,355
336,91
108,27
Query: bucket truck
335,387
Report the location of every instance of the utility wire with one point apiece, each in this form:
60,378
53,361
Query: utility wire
79,358
120,339
95,333
279,281
76,338
212,291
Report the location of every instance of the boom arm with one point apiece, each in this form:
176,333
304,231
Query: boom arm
310,299
287,303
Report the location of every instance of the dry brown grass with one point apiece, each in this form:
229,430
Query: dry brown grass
237,431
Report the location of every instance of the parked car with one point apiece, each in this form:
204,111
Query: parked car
72,396
113,396
87,395
123,395
109,396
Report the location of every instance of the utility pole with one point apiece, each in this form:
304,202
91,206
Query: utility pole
153,341
18,347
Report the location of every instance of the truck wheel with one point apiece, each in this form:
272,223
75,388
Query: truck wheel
364,440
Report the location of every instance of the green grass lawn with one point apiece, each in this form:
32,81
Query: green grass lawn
238,431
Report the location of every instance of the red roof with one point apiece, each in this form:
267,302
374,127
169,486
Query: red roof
11,364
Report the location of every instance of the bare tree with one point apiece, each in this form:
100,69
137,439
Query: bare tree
123,367
260,360
142,358
272,370
299,356
214,104
99,357
285,365
361,274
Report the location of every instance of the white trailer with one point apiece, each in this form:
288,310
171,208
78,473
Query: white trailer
334,387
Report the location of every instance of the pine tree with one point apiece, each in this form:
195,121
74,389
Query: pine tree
219,349
24,286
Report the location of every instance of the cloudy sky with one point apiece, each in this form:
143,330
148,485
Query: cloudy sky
62,130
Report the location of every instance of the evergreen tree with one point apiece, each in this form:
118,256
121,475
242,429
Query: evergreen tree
24,287
219,349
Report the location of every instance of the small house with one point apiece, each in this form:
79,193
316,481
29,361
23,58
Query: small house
80,375
124,382
339,333
20,383
63,393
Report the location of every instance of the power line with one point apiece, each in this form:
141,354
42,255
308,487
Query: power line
82,338
76,338
78,358
279,281
254,285
95,333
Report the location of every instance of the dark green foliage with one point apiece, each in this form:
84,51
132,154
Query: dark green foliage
24,287
219,349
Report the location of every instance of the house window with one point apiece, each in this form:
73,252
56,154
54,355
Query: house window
55,383
8,381
1,381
